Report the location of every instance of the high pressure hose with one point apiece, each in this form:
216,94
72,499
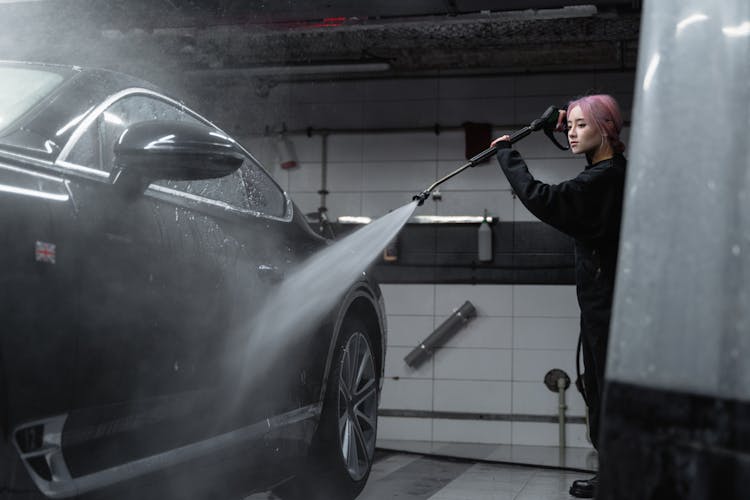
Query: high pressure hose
547,122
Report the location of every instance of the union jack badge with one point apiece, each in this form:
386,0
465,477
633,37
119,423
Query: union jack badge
45,252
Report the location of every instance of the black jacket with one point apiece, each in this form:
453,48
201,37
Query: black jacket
589,209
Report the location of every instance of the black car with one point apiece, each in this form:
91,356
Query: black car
139,242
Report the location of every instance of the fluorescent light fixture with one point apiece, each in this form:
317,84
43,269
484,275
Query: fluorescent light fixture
448,219
424,219
353,220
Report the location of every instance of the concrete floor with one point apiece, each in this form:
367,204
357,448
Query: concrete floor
416,477
411,476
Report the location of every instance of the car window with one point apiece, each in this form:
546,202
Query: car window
21,88
248,188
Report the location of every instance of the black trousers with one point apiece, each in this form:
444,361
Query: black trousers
594,339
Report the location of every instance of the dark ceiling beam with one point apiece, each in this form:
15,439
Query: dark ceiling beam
277,14
501,42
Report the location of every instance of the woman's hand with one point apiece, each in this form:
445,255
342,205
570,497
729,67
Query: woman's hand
505,138
561,125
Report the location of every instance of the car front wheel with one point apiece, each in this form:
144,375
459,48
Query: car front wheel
345,443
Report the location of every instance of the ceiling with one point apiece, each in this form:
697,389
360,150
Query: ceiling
240,38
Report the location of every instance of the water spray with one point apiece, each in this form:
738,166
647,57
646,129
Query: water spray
547,122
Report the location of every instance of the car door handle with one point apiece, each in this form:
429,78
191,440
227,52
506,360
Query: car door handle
271,274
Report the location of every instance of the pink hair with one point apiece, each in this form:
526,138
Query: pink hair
602,109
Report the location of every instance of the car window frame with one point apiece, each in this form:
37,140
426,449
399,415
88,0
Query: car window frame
155,190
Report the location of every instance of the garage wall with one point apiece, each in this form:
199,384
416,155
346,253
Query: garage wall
492,371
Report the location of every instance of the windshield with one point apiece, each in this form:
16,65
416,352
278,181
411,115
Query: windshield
21,89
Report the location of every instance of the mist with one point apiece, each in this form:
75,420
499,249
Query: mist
313,289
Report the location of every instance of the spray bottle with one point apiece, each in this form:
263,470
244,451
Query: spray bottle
484,240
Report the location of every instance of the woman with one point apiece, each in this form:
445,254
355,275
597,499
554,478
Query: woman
587,208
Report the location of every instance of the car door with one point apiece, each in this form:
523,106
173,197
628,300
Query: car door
38,303
154,307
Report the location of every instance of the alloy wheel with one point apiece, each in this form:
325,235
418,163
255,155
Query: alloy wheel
357,406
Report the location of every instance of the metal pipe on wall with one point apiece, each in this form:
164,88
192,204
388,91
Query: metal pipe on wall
323,192
561,407
442,333
558,381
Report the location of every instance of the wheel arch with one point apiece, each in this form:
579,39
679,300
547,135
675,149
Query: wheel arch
364,301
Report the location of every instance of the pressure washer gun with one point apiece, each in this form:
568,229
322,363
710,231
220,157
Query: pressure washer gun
547,122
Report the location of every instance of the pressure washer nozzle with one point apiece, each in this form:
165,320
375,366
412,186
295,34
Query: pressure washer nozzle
419,198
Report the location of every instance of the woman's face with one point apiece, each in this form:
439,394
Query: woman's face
583,136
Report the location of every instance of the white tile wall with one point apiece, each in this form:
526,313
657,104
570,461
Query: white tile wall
341,114
408,330
486,332
489,300
412,429
345,147
471,431
496,203
413,175
473,364
452,146
308,149
345,176
416,300
306,177
485,177
545,301
545,333
472,396
339,204
395,366
399,113
407,394
497,362
533,365
399,147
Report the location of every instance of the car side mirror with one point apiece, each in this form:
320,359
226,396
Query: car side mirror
161,149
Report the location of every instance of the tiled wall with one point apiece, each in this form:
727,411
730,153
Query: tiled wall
497,363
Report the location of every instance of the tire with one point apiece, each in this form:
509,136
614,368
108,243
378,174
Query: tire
344,446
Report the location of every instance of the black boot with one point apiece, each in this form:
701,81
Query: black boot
585,488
